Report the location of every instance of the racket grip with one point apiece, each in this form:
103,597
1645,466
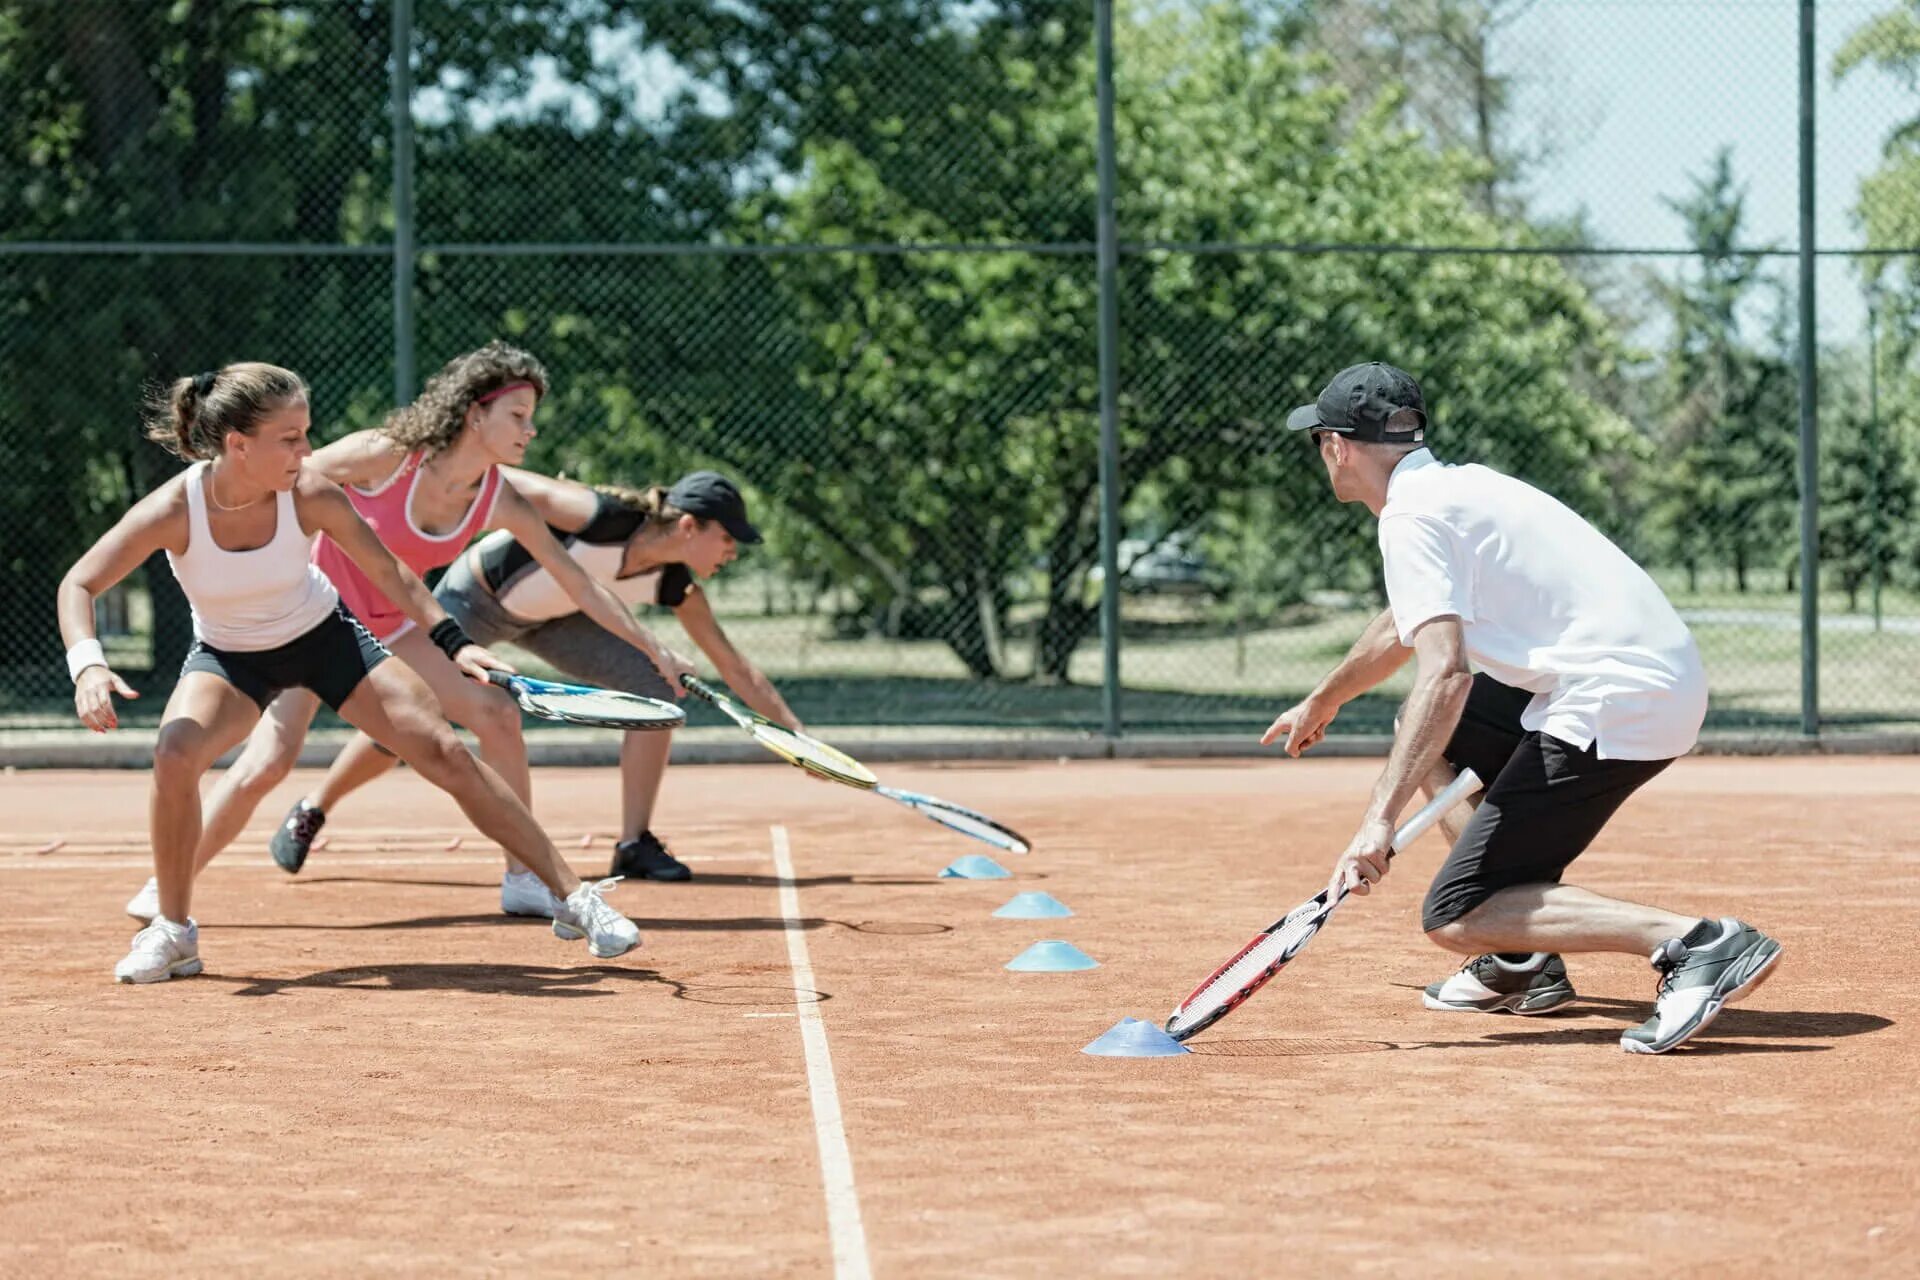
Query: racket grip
503,679
1435,809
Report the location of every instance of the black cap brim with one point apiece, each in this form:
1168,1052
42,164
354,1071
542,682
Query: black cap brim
1305,418
741,530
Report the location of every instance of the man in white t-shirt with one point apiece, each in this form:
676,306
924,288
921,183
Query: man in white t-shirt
1589,686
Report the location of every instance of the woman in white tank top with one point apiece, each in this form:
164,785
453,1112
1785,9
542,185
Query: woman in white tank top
237,526
258,598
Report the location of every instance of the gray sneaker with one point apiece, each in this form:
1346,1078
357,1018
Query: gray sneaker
1697,981
293,838
1489,984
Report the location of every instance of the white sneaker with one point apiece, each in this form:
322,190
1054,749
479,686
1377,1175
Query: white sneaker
160,951
585,914
522,894
145,905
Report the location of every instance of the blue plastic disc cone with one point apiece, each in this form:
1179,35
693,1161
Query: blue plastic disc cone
976,866
1052,957
1034,906
1132,1038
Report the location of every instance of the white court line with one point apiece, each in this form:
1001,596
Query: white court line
836,1163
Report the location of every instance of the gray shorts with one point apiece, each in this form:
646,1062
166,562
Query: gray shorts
576,646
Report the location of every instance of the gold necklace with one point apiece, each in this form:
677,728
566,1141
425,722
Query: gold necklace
214,497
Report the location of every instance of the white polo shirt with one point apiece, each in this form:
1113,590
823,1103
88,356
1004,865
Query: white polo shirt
1547,604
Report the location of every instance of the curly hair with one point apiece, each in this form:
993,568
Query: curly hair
191,417
433,421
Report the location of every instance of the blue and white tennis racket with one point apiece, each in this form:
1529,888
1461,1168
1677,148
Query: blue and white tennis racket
584,704
968,822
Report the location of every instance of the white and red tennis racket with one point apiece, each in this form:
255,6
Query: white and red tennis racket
1249,970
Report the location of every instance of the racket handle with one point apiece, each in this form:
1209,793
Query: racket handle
1413,828
1435,809
504,679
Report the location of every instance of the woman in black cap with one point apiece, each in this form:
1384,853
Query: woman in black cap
647,548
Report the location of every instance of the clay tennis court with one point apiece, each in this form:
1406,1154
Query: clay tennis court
379,1074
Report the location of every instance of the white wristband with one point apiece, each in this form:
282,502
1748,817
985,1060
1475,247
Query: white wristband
87,653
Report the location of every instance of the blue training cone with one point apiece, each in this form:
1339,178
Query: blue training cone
1052,957
1132,1038
1034,906
976,866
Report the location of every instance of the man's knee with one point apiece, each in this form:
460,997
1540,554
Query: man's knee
1445,916
1454,937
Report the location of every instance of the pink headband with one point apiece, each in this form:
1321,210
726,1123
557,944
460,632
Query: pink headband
497,392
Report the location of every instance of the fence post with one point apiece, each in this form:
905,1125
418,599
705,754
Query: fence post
1809,402
403,255
1873,444
1109,283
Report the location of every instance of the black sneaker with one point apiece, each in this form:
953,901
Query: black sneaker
1491,984
647,859
295,837
1719,962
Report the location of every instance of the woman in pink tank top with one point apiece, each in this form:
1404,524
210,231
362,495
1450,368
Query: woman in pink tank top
428,481
387,508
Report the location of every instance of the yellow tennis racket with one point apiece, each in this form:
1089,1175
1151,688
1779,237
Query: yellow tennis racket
811,754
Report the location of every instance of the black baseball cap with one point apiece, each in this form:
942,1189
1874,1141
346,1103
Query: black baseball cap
711,496
1374,402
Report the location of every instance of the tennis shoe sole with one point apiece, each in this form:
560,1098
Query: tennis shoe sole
1735,985
178,969
1525,1003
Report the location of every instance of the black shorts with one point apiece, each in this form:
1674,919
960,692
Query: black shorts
331,659
1547,801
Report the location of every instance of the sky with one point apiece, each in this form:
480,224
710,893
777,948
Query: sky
1639,95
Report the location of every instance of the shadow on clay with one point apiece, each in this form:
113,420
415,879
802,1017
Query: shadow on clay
544,981
479,979
1774,1030
728,924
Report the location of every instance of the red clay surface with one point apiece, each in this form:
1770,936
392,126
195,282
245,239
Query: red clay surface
380,1074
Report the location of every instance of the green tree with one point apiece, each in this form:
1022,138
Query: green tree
927,417
1723,484
971,377
216,120
1889,213
1868,486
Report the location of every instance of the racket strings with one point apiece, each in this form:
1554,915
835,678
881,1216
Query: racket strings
600,705
1269,951
979,828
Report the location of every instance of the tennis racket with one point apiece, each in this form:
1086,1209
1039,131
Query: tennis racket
1230,985
811,754
968,822
583,704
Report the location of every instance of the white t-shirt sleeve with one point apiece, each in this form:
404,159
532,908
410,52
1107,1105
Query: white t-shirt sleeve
1427,570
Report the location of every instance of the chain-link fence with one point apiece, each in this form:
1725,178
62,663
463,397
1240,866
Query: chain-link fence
847,253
